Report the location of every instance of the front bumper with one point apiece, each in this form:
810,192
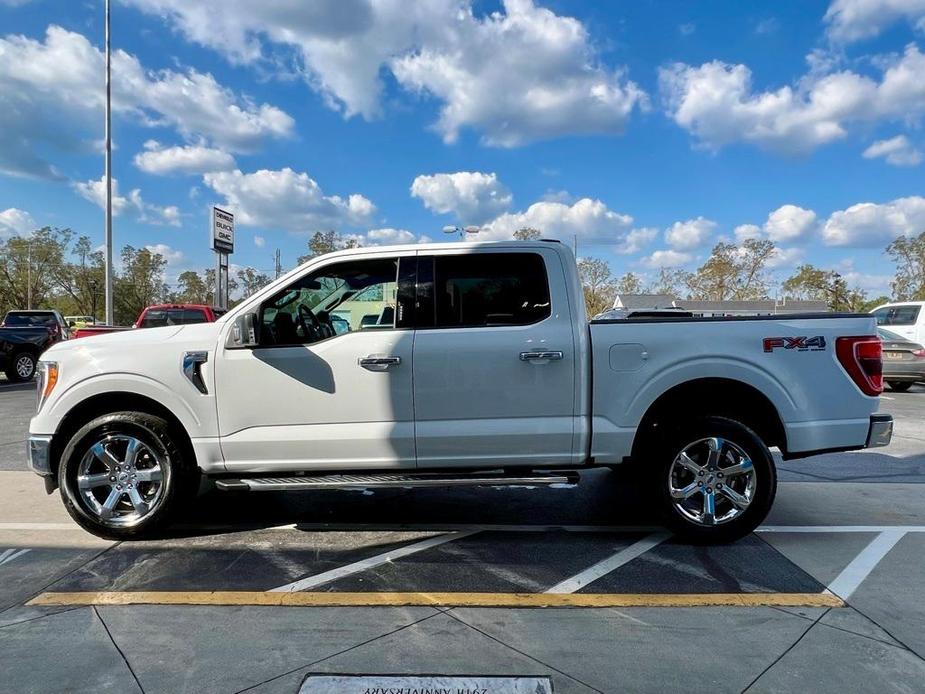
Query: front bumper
880,432
38,453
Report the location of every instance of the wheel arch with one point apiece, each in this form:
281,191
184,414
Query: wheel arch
714,396
106,403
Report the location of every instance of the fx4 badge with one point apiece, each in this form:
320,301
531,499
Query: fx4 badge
801,344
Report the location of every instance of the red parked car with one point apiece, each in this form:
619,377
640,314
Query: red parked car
160,315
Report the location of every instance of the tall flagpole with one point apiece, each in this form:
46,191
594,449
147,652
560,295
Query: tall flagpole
108,175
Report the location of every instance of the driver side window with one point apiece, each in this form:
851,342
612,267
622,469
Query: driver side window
336,299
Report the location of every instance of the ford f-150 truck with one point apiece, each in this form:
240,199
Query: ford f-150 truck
460,363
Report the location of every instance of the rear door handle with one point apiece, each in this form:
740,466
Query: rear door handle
378,363
553,355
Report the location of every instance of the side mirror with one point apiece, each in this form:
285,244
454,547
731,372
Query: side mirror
245,332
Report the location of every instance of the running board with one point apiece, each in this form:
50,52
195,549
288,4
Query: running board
393,481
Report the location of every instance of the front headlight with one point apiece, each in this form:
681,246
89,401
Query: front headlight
46,380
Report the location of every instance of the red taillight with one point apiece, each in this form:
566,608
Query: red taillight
919,353
862,358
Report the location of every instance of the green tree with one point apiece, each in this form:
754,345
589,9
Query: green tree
810,282
733,272
528,234
139,284
909,256
191,288
597,283
251,281
31,267
323,242
630,283
84,280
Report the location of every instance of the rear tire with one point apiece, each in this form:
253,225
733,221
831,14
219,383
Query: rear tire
21,367
124,475
714,480
899,386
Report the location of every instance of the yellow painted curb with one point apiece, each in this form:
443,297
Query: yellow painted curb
325,599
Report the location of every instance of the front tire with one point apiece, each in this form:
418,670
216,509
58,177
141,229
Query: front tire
715,480
123,475
899,386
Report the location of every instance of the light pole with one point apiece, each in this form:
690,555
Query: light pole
462,231
108,174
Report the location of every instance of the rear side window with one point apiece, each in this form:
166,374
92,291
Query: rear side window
30,319
897,315
154,318
193,315
490,289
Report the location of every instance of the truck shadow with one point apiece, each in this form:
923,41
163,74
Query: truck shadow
602,498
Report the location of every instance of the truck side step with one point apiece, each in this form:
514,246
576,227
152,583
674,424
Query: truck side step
393,481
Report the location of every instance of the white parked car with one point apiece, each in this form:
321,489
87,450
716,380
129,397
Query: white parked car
481,368
906,319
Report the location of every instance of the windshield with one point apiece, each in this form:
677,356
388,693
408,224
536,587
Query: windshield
889,335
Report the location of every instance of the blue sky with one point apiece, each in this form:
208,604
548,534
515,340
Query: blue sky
648,129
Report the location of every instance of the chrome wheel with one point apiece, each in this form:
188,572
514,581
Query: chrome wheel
120,480
712,481
25,367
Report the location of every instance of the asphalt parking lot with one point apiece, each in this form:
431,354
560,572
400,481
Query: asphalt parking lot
253,592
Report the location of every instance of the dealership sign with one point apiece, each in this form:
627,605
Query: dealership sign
222,230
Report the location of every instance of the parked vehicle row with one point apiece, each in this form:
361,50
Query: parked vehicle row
480,368
24,335
158,316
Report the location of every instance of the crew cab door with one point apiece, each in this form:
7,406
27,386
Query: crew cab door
329,385
494,358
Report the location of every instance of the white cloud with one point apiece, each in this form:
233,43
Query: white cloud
190,159
95,192
384,237
785,258
897,151
870,224
667,258
171,255
472,196
587,219
854,20
789,223
16,222
687,28
716,103
747,231
285,199
635,240
516,75
690,234
259,241
51,94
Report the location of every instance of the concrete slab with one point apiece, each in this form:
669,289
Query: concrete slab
439,645
811,503
20,614
250,560
821,555
503,562
829,660
849,619
33,571
65,652
648,650
892,594
202,649
749,565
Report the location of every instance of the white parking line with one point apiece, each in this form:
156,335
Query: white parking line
369,563
10,554
625,555
860,567
840,528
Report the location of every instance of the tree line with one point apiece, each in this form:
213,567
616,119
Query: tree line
54,268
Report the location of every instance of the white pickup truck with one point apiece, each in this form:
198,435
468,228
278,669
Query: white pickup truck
449,364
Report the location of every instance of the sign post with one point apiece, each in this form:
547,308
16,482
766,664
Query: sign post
222,233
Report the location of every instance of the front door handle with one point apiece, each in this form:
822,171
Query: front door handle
554,355
374,363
